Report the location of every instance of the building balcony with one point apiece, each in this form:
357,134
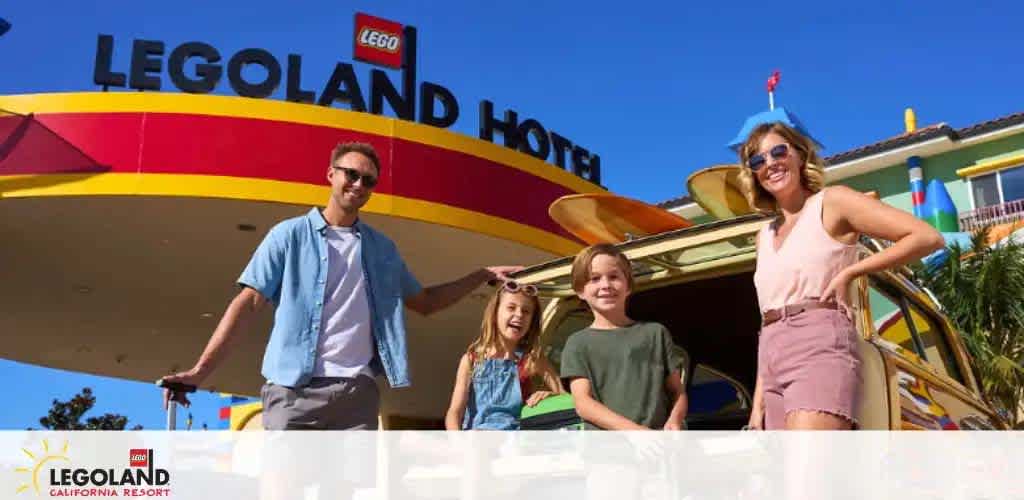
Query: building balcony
1010,211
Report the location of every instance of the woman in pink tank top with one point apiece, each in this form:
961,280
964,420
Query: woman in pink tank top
807,375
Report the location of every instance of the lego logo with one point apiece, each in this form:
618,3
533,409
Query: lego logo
138,458
380,40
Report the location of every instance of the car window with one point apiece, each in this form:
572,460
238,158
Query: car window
888,317
921,335
936,347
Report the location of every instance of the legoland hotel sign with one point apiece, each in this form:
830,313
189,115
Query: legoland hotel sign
376,41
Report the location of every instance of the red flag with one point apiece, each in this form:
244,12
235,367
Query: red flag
773,81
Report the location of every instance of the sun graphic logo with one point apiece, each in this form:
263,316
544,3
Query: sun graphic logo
39,461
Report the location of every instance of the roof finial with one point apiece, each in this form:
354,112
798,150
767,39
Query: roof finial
909,120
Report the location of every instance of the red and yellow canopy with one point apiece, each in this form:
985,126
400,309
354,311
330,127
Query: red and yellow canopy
163,144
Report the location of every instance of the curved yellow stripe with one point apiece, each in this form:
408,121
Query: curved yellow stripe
243,188
307,114
991,166
241,414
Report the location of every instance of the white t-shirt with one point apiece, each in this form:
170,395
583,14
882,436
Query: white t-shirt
345,346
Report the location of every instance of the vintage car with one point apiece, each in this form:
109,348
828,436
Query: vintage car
698,282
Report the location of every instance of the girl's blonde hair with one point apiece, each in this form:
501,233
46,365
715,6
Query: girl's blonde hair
812,174
489,342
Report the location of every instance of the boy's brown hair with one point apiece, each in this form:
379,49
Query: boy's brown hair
581,264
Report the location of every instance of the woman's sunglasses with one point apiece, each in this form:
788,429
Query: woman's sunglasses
512,286
352,175
778,152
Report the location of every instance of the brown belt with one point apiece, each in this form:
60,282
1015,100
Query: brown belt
772,315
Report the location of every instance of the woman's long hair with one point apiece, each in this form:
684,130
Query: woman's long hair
812,174
489,341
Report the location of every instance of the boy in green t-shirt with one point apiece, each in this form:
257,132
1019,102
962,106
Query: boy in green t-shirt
623,374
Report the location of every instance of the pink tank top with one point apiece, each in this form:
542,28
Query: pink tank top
804,264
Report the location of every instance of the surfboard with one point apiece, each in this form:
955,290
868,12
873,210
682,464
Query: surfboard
609,218
1001,233
717,190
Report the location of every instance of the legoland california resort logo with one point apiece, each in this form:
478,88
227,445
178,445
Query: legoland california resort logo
45,477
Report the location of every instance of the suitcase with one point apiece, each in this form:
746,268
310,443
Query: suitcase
554,412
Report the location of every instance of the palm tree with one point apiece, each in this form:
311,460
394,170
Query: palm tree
981,289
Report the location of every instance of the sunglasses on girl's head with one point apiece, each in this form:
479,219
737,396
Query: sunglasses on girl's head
514,287
353,175
777,152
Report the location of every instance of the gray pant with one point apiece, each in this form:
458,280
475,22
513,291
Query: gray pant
327,403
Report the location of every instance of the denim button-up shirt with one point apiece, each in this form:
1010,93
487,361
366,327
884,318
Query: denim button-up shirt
290,269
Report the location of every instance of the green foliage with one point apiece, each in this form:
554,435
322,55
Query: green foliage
67,416
981,289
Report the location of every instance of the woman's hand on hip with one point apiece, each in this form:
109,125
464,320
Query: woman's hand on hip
838,289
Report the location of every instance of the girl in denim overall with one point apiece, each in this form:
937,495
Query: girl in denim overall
493,379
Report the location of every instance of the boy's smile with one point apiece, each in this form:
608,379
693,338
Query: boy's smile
606,290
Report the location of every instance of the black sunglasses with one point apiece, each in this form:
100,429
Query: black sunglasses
777,152
353,175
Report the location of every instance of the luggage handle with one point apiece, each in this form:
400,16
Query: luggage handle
172,407
176,386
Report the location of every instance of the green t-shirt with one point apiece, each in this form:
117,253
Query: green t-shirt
627,368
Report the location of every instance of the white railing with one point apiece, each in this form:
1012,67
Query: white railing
1010,211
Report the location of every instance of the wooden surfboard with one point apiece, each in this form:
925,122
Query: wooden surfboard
717,190
608,218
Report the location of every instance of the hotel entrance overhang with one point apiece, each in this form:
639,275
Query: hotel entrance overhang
123,266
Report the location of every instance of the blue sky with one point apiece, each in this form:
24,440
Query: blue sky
656,90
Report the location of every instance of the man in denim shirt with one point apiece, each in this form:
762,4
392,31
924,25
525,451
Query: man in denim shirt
339,287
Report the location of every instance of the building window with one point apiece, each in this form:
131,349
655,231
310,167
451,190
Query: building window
997,188
1013,183
985,190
